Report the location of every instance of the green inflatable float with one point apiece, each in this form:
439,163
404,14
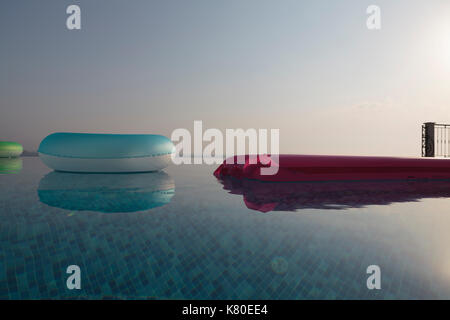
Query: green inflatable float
10,149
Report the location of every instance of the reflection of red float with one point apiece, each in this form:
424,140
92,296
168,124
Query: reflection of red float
289,196
332,168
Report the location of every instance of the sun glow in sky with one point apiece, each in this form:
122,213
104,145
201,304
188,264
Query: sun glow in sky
442,42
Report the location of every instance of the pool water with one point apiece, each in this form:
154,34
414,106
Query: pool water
182,234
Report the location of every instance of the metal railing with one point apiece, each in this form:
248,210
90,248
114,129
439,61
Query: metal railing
435,140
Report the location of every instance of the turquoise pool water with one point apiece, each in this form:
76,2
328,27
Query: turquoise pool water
182,235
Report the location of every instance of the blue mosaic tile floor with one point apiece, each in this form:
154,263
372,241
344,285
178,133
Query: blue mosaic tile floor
180,235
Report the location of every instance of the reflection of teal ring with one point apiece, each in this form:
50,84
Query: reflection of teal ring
106,192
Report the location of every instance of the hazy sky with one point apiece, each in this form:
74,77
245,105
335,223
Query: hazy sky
310,68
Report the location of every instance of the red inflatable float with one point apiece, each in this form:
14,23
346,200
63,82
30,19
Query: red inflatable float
334,168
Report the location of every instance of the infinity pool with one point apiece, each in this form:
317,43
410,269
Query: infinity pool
183,234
